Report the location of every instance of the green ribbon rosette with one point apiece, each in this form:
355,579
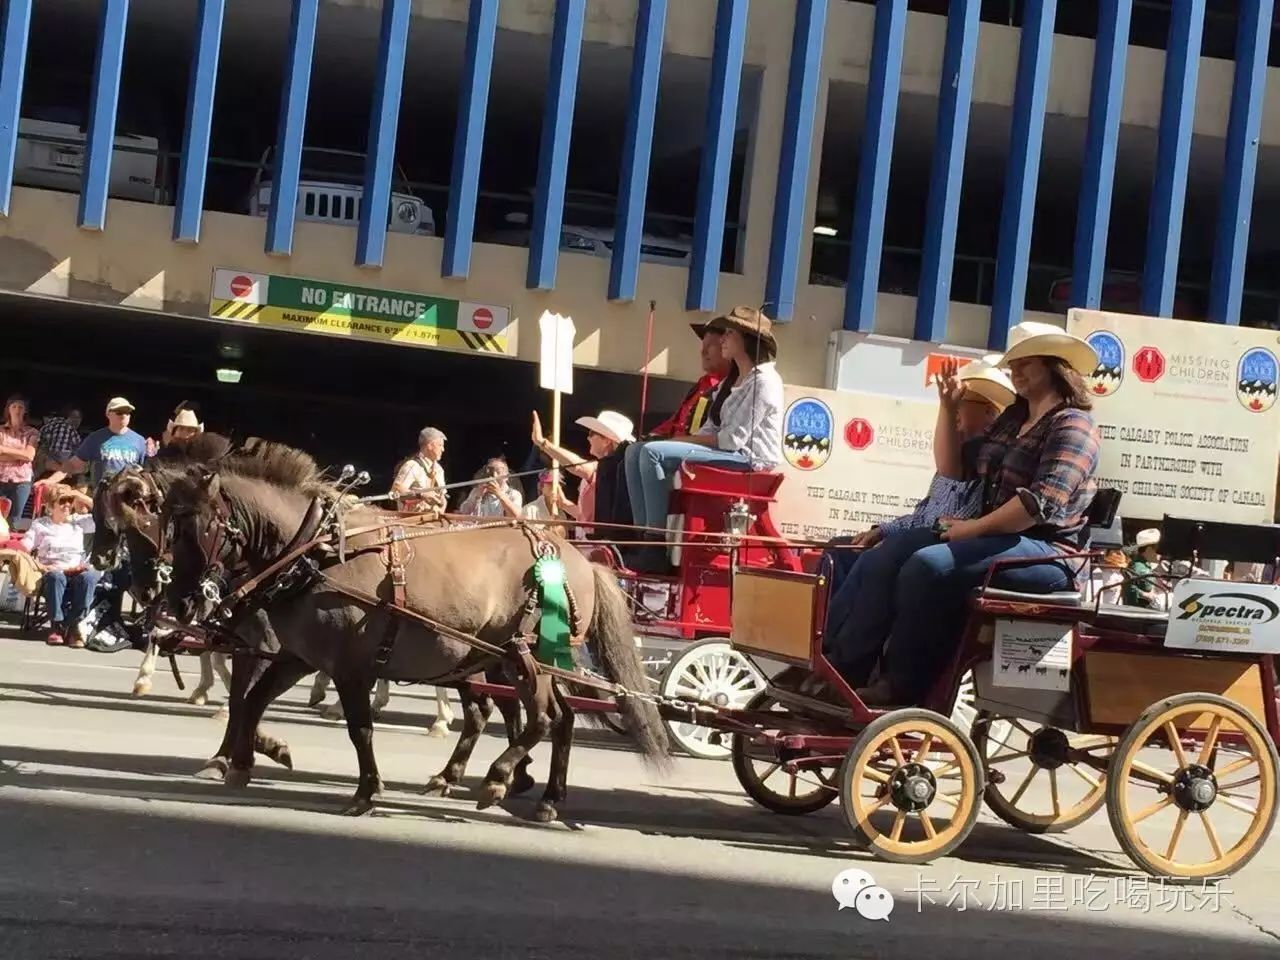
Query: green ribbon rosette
553,625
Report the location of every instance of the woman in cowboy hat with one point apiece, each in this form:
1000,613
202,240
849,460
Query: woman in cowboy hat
862,582
742,429
1035,465
605,433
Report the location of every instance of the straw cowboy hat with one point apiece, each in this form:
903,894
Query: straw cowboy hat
186,418
1032,339
609,424
990,383
746,320
1147,538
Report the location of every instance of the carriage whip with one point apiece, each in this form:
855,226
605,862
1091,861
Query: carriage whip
648,358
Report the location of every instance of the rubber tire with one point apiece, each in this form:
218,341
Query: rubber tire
757,791
1127,743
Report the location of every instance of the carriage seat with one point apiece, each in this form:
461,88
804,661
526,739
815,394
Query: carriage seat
1137,620
697,478
1058,598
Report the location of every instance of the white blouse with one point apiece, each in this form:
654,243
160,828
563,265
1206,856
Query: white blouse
751,418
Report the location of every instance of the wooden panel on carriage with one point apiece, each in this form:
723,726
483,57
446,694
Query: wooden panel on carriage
1120,686
773,614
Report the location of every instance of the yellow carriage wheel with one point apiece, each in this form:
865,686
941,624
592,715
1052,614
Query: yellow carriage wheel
1039,779
1192,788
910,786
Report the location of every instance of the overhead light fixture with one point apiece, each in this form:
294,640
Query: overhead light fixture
229,375
231,350
821,231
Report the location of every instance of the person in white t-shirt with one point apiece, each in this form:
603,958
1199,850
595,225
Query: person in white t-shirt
56,543
551,503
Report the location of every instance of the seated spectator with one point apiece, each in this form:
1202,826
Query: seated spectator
742,430
18,444
551,503
56,542
496,497
60,438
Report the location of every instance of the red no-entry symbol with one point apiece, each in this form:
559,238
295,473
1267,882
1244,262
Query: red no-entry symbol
1148,364
241,286
482,318
859,434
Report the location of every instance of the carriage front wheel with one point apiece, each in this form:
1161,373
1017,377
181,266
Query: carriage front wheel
910,785
1192,788
761,769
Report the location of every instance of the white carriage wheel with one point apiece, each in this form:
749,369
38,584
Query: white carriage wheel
713,672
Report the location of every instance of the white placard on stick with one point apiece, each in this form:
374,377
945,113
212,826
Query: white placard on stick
1032,654
555,372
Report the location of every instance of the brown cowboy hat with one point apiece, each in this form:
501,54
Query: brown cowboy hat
746,320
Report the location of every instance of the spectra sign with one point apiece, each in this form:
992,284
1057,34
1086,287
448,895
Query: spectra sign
1221,615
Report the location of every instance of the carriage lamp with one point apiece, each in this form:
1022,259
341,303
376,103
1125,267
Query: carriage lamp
737,520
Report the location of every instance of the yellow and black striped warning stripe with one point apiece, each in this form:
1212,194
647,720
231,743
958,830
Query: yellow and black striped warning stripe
480,341
238,310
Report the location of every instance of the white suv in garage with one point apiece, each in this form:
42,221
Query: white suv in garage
50,154
331,189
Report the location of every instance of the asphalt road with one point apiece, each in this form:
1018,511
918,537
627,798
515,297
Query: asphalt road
110,848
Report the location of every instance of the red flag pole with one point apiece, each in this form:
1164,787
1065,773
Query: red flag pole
648,358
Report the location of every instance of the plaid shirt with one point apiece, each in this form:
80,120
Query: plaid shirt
59,438
961,499
1049,468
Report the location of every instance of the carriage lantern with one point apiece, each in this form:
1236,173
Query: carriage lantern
737,520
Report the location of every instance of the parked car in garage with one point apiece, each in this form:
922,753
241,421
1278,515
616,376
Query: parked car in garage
331,188
51,150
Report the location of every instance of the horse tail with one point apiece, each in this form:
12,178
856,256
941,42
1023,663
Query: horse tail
614,641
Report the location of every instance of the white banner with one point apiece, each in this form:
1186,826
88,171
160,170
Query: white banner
1187,415
1225,616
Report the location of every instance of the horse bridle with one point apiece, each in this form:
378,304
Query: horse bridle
219,532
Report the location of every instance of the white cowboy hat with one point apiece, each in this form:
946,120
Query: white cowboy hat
1032,339
1147,538
610,424
186,418
988,382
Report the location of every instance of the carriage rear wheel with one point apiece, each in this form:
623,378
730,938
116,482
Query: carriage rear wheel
759,768
909,786
1192,788
712,672
1021,759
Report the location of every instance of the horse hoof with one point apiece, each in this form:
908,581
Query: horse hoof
490,794
142,687
545,813
198,698
438,786
438,730
222,713
316,698
522,783
237,779
278,752
358,807
333,712
215,769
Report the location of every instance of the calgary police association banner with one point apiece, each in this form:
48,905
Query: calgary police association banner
1187,413
852,460
343,310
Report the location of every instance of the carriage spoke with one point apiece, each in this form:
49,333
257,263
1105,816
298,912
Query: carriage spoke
1235,765
1210,741
1084,775
1025,783
1006,757
1151,810
951,799
897,752
791,787
923,750
925,822
1150,771
1235,804
1053,792
1224,789
1177,834
871,773
770,772
1213,834
899,819
1175,744
1018,724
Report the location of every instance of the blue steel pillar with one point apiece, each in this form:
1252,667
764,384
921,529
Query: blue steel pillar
287,165
717,153
195,145
380,164
101,136
797,154
1173,155
867,238
468,140
557,132
637,149
1026,138
1231,249
943,214
1098,174
13,63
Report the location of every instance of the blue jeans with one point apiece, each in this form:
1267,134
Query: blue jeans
18,494
931,597
650,467
74,591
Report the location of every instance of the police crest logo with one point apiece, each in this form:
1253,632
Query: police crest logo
1109,374
807,430
1256,380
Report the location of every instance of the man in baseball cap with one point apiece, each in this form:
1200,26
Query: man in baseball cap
109,449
